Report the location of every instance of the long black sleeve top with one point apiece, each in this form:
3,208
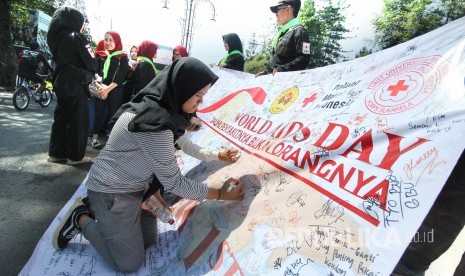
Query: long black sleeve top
292,52
143,75
117,71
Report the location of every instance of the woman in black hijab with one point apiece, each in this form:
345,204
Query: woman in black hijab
234,59
75,69
141,146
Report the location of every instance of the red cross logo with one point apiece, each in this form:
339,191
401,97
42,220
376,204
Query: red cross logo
312,98
395,89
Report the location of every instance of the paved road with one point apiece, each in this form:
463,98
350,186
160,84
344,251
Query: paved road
32,191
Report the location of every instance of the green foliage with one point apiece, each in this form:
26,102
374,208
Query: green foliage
256,61
256,64
14,15
20,13
363,52
308,17
22,28
402,20
325,28
453,9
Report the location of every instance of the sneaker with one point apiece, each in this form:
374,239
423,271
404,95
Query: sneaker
84,160
86,202
96,144
69,227
51,159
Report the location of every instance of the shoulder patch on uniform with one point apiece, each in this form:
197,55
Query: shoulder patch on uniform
89,49
306,48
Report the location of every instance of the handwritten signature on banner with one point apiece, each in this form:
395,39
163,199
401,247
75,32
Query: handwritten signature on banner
258,137
348,142
324,153
341,164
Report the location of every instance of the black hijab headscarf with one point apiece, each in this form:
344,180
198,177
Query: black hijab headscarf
158,106
234,42
65,20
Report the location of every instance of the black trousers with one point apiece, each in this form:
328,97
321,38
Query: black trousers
442,225
112,102
68,138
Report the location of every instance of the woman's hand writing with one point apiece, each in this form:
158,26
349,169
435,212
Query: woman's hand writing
232,190
194,124
229,155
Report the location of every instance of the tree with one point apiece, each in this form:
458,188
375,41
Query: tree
453,9
249,52
256,64
363,52
402,20
257,61
14,13
7,56
325,29
309,19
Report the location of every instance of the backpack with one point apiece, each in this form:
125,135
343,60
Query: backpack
29,61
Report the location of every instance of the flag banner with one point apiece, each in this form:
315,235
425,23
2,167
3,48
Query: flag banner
340,165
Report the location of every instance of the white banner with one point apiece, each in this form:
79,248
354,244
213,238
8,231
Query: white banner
340,164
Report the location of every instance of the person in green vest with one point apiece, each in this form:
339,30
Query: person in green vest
145,70
115,70
234,59
291,46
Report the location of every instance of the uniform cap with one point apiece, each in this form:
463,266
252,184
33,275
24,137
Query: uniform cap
294,3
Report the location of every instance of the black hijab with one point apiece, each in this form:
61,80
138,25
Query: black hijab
65,20
234,42
159,105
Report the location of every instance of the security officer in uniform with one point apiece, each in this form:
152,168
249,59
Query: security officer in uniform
291,46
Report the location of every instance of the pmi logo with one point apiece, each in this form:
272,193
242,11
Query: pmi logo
284,100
